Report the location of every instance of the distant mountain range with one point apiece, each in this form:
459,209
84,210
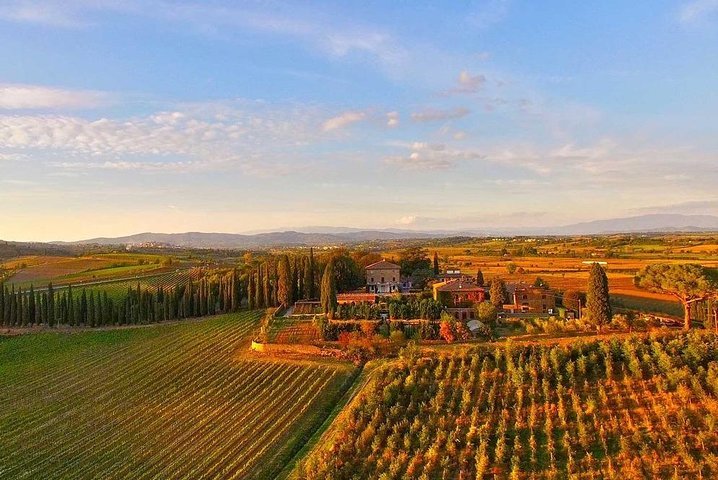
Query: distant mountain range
322,236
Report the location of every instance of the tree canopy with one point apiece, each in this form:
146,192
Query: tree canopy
689,283
413,258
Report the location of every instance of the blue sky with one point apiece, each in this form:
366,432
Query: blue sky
118,117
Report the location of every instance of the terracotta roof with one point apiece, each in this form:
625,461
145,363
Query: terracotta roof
382,265
458,286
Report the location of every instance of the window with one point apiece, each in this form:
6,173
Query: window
382,279
372,279
393,279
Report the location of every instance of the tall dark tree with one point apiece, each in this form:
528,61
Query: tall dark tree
436,263
309,287
480,278
267,286
598,302
50,317
328,297
250,291
284,280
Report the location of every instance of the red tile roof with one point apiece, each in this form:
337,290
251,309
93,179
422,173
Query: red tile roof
459,286
383,265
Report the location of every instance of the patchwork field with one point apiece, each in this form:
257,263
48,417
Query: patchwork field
631,408
168,401
39,270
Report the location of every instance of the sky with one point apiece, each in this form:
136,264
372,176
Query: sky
120,117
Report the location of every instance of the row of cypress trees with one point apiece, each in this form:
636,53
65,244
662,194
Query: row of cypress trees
209,295
282,280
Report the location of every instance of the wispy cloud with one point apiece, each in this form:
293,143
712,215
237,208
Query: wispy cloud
392,119
468,83
429,157
690,207
196,138
343,120
698,10
27,97
435,115
48,13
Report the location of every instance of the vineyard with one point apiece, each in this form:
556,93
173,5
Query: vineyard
640,407
166,401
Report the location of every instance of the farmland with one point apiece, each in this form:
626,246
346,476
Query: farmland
40,270
639,407
170,401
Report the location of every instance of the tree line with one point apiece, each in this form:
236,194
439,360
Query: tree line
219,292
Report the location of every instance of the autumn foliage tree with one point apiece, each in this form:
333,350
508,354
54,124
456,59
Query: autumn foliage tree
689,283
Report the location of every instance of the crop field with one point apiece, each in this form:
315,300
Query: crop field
39,270
172,401
631,408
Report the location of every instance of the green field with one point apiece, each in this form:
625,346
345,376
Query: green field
169,401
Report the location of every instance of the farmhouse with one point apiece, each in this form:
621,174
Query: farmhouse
383,277
459,296
458,292
530,299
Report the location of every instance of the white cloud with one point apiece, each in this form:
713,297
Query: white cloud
343,120
428,156
697,10
434,115
468,83
42,13
191,139
26,97
392,119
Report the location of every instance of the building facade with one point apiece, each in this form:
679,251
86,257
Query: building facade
458,293
529,299
383,277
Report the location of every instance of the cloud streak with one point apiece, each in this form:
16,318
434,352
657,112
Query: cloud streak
343,121
437,115
30,97
698,10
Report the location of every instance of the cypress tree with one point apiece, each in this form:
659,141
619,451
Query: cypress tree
328,295
50,305
2,303
598,305
436,263
250,292
309,276
480,278
267,287
301,264
296,270
31,306
260,288
284,282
